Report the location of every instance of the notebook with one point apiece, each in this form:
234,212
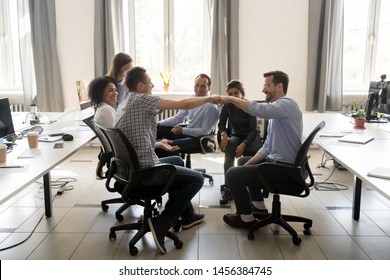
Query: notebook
380,172
356,138
47,138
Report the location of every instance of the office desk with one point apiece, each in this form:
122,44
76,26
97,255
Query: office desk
359,159
13,180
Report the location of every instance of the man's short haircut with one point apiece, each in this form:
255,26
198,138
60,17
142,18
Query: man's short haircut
202,75
134,76
279,77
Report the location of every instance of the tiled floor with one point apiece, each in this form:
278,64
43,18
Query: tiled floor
79,228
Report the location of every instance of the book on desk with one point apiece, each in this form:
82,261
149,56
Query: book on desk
356,138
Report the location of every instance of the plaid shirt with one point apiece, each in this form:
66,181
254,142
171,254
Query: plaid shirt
136,118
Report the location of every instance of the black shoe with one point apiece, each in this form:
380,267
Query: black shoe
234,220
159,230
259,211
226,197
195,219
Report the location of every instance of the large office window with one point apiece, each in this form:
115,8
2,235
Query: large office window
169,35
10,70
366,43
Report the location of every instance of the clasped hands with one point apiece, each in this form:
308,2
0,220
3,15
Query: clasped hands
219,100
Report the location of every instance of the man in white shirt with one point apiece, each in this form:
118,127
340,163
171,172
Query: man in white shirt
199,121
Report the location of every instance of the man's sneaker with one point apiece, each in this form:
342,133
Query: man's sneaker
234,220
195,219
226,197
159,230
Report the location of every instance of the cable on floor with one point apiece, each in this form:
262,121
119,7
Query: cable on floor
64,182
325,185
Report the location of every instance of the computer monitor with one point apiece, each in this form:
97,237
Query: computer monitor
85,106
381,95
6,123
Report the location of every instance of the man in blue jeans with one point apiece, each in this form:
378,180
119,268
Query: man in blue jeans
136,118
282,145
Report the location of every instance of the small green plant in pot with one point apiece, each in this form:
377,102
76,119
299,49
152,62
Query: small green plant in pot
166,77
360,119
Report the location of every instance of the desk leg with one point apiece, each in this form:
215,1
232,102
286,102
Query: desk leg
47,194
357,194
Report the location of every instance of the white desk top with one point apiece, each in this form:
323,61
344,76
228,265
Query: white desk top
13,180
359,159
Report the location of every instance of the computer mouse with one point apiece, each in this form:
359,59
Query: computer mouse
67,137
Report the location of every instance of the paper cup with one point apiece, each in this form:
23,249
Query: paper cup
32,138
3,153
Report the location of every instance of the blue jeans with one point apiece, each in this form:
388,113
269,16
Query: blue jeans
244,185
186,185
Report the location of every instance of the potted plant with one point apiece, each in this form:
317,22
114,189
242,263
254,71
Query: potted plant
360,118
166,77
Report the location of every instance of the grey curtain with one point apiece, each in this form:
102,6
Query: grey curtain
224,43
109,33
44,42
26,56
325,55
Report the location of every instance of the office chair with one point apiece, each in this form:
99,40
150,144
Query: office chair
141,185
286,179
104,160
207,144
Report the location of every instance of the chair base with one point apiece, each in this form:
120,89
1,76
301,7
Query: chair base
142,228
123,207
277,218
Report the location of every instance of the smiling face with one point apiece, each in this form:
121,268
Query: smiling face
110,94
201,87
270,89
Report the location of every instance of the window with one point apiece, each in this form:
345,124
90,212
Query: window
366,43
10,70
169,35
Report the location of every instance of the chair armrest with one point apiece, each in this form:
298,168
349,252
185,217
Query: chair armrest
208,143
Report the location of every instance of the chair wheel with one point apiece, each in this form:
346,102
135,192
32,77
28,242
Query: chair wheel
133,251
177,226
251,236
307,226
119,217
104,207
297,240
211,181
178,244
112,236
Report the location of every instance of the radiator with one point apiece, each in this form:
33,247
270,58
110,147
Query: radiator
17,107
166,114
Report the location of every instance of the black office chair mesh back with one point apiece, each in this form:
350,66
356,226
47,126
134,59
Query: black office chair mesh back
140,184
286,179
125,169
293,181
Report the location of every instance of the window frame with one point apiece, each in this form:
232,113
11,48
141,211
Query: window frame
371,50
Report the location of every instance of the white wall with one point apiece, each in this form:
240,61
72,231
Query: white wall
75,33
273,36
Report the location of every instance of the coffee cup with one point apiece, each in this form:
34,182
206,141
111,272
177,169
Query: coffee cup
3,153
32,138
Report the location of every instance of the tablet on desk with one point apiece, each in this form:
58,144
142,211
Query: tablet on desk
380,172
356,138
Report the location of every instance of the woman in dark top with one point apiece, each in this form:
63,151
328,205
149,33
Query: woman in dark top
238,133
